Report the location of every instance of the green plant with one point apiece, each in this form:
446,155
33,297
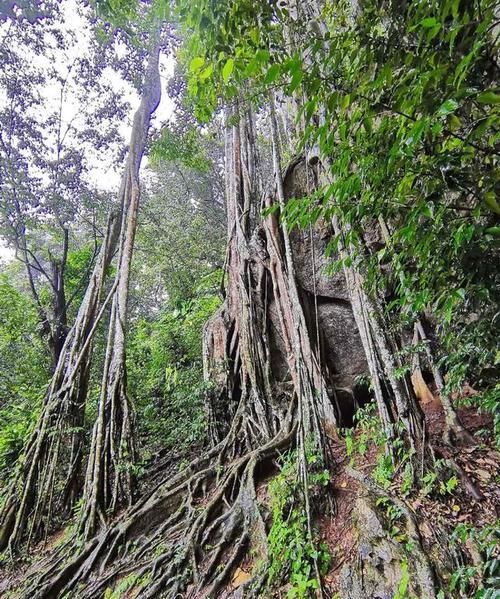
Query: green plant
402,592
367,430
24,367
384,470
292,551
389,463
186,148
406,480
478,581
438,481
401,103
166,373
395,520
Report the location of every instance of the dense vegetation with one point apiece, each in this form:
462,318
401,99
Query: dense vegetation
183,416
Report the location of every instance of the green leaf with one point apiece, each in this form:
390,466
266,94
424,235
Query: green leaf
196,64
227,70
491,201
427,210
447,107
454,123
206,73
262,56
272,74
252,67
296,81
489,97
493,231
429,23
345,101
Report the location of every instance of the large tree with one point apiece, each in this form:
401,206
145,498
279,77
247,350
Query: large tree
271,348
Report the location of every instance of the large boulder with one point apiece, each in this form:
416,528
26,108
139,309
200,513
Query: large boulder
385,567
325,299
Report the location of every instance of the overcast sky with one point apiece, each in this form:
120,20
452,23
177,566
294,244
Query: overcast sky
101,172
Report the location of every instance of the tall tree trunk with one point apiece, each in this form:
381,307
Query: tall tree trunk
48,479
109,479
59,305
53,452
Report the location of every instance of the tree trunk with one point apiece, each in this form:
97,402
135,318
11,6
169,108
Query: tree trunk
48,480
59,306
109,479
54,327
53,452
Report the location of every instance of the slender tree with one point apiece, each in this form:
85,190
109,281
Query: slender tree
53,120
55,446
109,476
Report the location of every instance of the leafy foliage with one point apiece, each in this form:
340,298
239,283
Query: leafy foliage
24,367
165,370
416,150
402,592
185,147
291,550
480,581
175,290
401,104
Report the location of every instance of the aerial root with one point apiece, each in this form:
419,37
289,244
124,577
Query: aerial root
199,518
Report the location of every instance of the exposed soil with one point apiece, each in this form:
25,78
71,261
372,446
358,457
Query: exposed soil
477,473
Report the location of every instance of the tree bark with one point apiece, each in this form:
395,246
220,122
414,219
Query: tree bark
109,480
48,480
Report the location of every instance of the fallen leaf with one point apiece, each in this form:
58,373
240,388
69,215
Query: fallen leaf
483,474
240,577
425,530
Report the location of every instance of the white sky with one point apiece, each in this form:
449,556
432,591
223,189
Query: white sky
101,171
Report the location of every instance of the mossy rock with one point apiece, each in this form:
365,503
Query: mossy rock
383,566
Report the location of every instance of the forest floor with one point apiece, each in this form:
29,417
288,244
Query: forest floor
474,501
